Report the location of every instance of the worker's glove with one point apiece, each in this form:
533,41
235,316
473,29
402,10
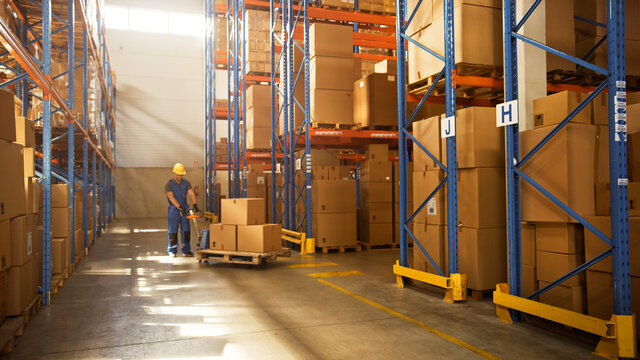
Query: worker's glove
195,208
183,211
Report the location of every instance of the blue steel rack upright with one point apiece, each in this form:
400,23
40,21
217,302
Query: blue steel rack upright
618,333
455,283
211,204
32,73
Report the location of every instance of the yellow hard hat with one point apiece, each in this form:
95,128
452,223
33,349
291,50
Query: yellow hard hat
178,169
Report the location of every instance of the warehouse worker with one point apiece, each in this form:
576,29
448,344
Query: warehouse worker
177,189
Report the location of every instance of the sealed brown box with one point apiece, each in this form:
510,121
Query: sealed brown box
375,101
600,295
5,244
330,40
396,182
567,297
332,106
259,117
434,212
482,254
258,138
259,97
552,266
333,196
329,72
25,132
371,212
427,132
78,198
12,200
259,238
560,238
60,222
559,24
249,211
423,16
223,237
20,288
529,280
552,109
22,228
481,197
594,246
7,116
31,188
479,142
28,158
377,152
58,255
433,239
375,171
59,196
78,242
562,168
528,245
633,153
374,191
376,233
335,229
601,161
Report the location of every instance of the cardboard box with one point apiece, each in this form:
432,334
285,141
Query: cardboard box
552,266
559,23
594,246
422,18
482,255
434,212
372,212
31,188
60,222
78,242
602,155
479,142
59,255
59,196
376,233
528,244
396,181
333,196
477,42
562,168
7,116
375,171
28,158
552,109
331,106
22,228
249,211
223,237
78,198
375,101
377,152
12,199
387,66
259,97
259,238
560,238
427,132
600,296
330,40
372,191
567,297
258,138
329,72
633,147
433,238
25,132
5,244
335,229
20,288
259,117
481,197
529,280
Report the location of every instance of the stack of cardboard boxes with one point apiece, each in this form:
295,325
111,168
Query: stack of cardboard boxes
257,46
242,228
258,117
60,229
375,216
378,6
375,102
481,197
222,148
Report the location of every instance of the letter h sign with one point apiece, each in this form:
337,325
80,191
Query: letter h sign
507,113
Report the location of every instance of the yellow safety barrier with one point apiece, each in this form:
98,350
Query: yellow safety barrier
455,285
617,335
307,245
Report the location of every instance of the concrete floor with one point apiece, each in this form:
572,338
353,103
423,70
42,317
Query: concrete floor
128,300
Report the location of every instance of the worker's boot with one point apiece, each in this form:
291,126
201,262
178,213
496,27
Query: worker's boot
173,245
186,243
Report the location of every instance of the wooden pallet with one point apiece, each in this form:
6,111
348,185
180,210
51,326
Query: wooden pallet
239,257
367,246
479,295
421,86
319,125
10,331
339,249
57,281
582,78
379,127
32,309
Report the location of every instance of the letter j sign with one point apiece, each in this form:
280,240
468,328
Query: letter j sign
448,127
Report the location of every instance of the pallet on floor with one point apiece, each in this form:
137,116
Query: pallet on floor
10,331
32,309
57,281
239,257
339,249
368,246
479,295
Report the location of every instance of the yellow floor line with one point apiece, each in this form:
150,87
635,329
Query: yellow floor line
335,273
295,266
307,256
415,322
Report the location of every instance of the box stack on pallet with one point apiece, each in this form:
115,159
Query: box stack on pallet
375,101
222,148
258,117
375,216
60,229
257,45
481,198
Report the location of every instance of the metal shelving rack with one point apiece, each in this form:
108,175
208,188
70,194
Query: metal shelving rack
455,283
31,74
210,108
618,333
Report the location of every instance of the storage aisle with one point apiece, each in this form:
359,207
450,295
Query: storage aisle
128,300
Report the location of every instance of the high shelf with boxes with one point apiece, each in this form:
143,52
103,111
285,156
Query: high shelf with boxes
552,185
41,42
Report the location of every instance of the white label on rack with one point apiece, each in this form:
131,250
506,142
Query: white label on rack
621,127
432,207
361,83
621,84
507,113
623,182
621,105
448,127
278,171
298,164
391,78
620,117
621,94
621,136
308,186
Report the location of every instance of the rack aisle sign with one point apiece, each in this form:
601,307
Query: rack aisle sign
617,334
507,113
